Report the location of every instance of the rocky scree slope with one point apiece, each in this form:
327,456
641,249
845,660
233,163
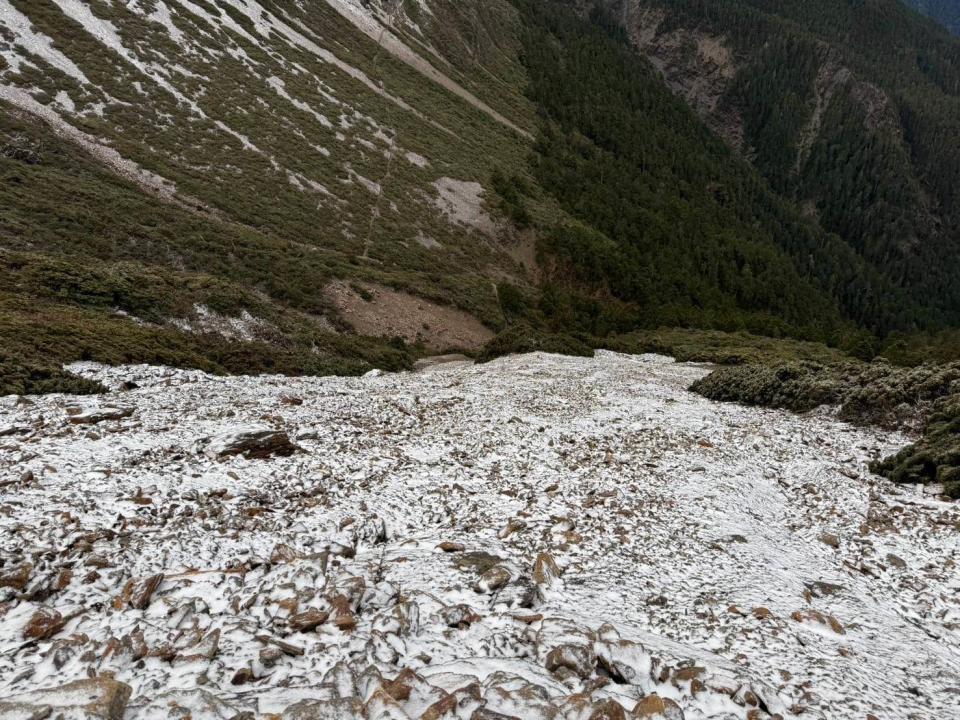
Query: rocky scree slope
536,537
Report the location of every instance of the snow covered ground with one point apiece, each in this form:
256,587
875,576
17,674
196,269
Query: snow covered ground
540,537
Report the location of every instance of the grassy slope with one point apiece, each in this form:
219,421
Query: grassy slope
79,244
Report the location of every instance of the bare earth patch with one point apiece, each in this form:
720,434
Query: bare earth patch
389,313
462,202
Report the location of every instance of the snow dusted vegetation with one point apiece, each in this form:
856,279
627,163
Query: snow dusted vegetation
537,537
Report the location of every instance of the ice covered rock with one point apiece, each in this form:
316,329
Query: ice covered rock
98,698
493,579
658,708
97,414
251,442
578,658
138,593
337,709
545,570
15,577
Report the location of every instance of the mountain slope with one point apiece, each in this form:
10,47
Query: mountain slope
851,110
273,148
332,185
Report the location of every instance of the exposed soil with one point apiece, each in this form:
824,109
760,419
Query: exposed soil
389,313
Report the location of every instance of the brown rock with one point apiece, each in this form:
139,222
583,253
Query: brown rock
204,650
513,526
252,443
341,614
528,619
762,613
830,539
894,560
242,676
270,655
451,547
458,616
16,577
608,710
63,580
811,615
92,416
101,698
545,569
654,706
283,554
402,685
338,709
688,673
287,648
493,579
307,620
138,593
458,704
578,658
44,624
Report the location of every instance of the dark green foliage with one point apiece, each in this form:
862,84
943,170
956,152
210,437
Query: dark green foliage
522,338
852,109
926,398
946,12
797,386
935,458
512,300
19,376
671,222
720,348
511,191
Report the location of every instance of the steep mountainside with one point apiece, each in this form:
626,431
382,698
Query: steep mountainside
850,109
330,185
217,165
946,12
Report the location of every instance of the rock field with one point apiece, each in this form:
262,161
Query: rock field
540,537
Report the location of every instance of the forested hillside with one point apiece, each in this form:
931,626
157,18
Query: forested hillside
671,220
851,110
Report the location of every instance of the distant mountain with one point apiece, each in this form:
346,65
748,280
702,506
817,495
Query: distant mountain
946,12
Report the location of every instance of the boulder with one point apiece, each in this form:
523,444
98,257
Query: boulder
578,658
545,570
101,698
493,579
94,415
16,577
338,709
307,620
654,706
138,593
253,443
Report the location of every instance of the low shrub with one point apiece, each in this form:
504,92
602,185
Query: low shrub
523,338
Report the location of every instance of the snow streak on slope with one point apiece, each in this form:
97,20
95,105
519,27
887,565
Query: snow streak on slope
359,14
609,535
36,44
